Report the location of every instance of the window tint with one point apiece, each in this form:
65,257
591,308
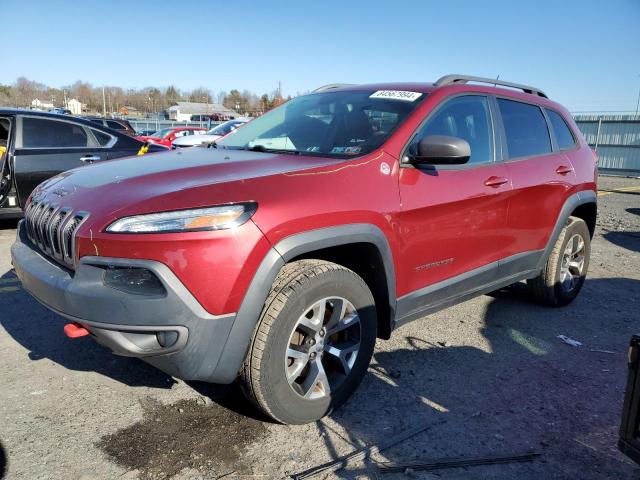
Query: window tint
561,129
467,118
525,128
45,133
114,125
102,138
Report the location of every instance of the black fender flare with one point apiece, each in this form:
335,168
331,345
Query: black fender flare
573,202
286,249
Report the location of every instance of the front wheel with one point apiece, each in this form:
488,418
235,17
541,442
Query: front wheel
565,271
313,343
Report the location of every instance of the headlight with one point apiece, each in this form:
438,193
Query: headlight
194,220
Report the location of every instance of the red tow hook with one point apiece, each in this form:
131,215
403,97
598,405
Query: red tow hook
75,330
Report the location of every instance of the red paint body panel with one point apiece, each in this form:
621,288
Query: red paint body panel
426,218
453,218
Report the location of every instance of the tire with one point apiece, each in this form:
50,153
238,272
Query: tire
548,288
283,385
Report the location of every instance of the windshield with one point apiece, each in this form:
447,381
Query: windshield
330,123
162,133
224,128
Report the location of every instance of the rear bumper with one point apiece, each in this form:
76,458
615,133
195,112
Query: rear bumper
172,331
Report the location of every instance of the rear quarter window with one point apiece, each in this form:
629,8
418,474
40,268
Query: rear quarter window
564,137
525,128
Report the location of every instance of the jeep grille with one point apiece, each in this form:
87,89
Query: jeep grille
52,229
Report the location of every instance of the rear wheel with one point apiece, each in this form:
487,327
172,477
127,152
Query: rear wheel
313,343
565,271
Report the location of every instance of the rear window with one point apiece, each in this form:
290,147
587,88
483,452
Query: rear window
46,133
564,137
115,125
525,128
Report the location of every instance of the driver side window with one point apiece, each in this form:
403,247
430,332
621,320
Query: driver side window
465,117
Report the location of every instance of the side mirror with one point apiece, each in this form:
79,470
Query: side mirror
441,150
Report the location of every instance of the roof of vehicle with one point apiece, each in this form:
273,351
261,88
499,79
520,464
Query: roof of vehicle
463,82
40,113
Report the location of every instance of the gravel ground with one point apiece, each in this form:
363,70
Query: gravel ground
488,378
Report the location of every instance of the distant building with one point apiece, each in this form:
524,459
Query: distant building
74,106
183,111
40,105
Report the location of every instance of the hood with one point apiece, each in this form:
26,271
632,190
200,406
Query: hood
167,181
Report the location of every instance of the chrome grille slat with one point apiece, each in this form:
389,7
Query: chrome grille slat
52,229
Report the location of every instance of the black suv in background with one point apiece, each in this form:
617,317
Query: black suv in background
35,146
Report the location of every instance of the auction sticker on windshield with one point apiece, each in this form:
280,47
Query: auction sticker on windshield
397,95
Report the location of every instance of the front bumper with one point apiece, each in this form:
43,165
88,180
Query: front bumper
129,324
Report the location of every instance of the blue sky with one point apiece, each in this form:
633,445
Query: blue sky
583,53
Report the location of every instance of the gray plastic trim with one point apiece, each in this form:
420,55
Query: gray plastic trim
285,250
574,201
454,290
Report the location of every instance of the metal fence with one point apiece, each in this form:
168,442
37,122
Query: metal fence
616,138
154,124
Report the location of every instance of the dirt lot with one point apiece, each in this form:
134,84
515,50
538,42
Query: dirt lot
489,377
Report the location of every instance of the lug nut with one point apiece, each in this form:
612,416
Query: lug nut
322,332
312,355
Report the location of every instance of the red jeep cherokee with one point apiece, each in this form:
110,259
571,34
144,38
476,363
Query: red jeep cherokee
280,254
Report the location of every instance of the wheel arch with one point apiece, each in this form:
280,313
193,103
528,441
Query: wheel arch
329,243
582,204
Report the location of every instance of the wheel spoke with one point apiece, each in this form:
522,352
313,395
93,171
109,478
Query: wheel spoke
313,324
337,313
345,354
575,265
348,321
316,384
300,360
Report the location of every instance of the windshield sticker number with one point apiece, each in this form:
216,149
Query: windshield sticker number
397,95
346,150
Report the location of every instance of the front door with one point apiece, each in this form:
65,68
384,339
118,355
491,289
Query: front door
453,218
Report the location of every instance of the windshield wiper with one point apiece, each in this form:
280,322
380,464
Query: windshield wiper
262,148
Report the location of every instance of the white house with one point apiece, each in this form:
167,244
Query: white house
40,105
74,106
182,111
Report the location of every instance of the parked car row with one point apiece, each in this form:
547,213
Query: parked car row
35,146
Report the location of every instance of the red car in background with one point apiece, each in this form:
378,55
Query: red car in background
166,136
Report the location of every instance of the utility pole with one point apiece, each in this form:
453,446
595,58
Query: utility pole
64,94
104,104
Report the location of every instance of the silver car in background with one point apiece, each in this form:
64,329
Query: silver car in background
212,135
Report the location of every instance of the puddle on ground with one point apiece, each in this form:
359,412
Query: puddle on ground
185,434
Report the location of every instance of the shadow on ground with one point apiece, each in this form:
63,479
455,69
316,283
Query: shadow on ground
523,391
526,391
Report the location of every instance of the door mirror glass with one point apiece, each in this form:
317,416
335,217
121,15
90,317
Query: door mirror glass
441,150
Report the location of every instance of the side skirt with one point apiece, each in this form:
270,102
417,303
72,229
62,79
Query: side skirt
465,286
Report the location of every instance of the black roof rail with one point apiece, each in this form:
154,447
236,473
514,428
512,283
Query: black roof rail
451,79
331,86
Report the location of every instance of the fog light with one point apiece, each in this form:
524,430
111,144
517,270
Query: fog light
167,339
138,281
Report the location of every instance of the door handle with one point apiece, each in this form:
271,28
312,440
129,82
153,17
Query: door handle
494,181
563,170
89,158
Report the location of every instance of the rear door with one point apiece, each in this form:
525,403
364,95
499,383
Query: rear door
540,172
47,146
